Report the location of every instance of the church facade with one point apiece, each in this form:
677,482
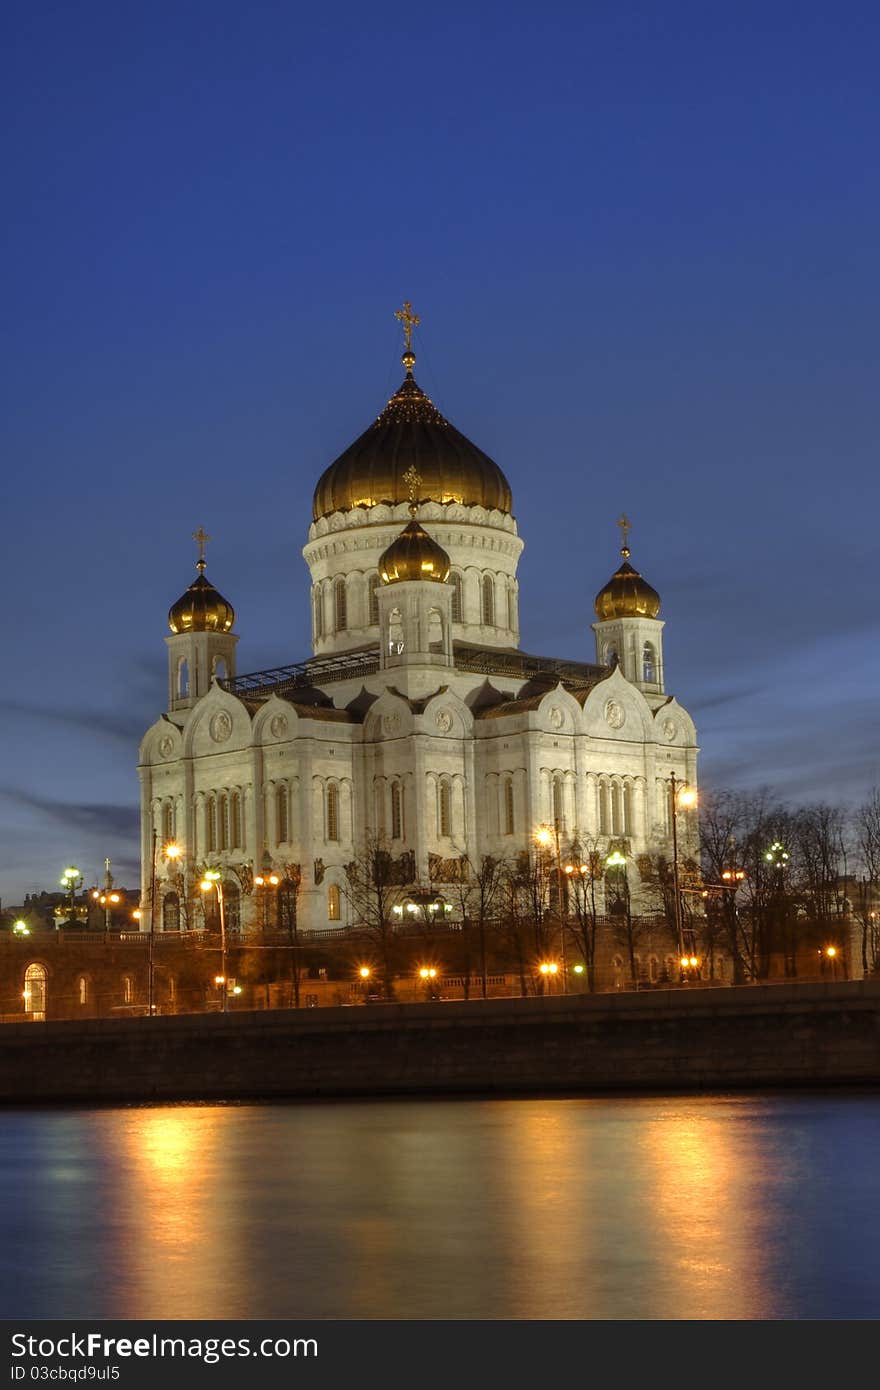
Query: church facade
418,723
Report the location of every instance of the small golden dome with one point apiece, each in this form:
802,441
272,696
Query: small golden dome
201,609
414,555
627,594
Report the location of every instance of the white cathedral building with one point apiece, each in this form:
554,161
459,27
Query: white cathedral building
418,723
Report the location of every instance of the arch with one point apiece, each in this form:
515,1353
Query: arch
444,817
318,612
219,668
509,807
373,596
171,912
558,799
128,989
82,990
435,630
616,809
397,821
211,823
332,812
395,632
281,818
182,678
604,808
334,903
168,822
488,600
223,821
36,991
340,604
457,606
649,663
235,839
511,606
609,656
628,809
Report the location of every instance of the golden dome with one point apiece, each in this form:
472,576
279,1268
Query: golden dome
201,609
411,433
414,555
627,594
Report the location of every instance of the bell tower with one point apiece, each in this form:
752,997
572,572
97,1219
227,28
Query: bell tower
202,644
628,629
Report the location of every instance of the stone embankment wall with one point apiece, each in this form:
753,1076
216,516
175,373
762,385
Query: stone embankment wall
768,1035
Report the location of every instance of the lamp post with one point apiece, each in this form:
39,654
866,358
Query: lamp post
71,879
212,880
777,857
681,796
545,837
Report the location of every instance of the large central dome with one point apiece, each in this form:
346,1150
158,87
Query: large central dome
411,433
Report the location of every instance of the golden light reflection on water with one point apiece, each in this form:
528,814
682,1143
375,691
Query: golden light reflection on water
174,1212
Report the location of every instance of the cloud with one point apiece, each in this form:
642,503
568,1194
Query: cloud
127,729
105,818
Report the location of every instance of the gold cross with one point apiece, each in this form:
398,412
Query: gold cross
409,321
202,539
413,479
625,525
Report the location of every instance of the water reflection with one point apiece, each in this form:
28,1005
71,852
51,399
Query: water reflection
584,1208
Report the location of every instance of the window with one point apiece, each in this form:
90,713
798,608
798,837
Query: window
628,809
210,824
287,895
508,806
127,989
223,821
35,982
435,631
445,816
332,812
396,811
340,604
232,905
558,801
380,809
319,612
649,663
171,912
220,667
604,809
616,811
511,607
235,839
167,822
281,828
182,678
375,581
334,906
488,601
395,632
610,655
457,612
82,986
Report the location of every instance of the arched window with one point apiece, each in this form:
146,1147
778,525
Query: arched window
616,809
219,668
171,912
334,905
235,839
281,826
288,891
395,632
319,612
508,806
127,989
232,905
167,822
182,678
379,791
558,801
332,812
435,631
610,655
628,812
511,607
35,992
171,985
210,824
396,811
604,809
82,987
340,604
222,821
488,601
649,663
445,816
375,581
457,611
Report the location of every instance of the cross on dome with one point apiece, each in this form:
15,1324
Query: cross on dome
625,525
202,539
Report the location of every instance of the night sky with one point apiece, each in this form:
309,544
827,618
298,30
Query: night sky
643,240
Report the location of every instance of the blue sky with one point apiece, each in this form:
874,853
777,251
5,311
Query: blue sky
643,242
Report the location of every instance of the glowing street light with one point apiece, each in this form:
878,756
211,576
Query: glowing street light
20,928
212,880
71,879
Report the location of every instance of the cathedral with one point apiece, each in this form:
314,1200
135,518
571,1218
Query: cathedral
418,723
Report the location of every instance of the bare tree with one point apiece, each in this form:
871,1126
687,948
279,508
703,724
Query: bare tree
866,828
374,887
477,894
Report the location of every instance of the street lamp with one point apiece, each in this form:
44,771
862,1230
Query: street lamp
549,969
212,880
20,928
428,975
682,797
71,879
545,837
267,881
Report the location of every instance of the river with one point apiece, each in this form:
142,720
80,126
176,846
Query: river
732,1207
